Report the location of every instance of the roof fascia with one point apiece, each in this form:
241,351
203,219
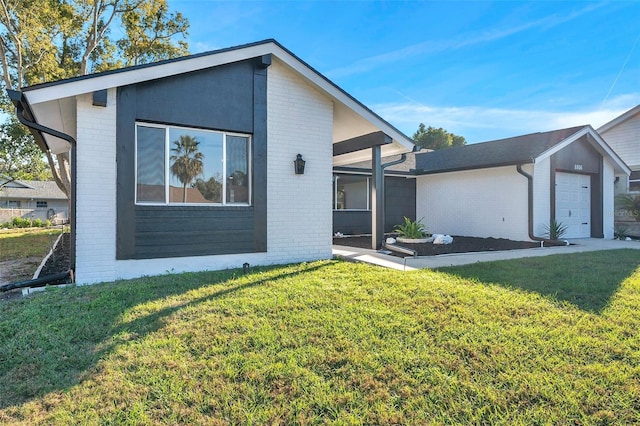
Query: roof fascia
610,152
423,172
359,171
620,119
92,83
562,144
599,144
89,84
340,95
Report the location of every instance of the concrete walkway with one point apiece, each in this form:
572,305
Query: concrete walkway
455,259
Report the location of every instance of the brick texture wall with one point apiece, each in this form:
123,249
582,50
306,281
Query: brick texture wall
477,203
96,190
299,121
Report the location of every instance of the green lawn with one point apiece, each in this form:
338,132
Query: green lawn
22,243
547,341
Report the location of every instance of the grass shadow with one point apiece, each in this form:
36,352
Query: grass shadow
55,340
586,280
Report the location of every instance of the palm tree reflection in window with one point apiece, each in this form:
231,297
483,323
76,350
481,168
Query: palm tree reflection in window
187,161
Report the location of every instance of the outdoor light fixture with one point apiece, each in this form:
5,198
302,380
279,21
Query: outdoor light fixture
298,165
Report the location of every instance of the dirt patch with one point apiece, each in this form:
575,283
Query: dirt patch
12,271
18,269
459,245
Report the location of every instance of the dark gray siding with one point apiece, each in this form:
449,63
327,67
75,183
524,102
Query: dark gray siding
231,97
399,201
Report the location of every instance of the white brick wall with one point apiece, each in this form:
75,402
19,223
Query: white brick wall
480,203
299,215
96,190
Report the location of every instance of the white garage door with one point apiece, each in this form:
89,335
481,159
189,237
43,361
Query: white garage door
573,204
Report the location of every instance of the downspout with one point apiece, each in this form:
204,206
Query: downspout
21,105
402,159
384,244
530,210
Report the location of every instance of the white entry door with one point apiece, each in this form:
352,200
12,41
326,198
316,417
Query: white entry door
573,204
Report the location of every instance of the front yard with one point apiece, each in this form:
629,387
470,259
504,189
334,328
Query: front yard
550,340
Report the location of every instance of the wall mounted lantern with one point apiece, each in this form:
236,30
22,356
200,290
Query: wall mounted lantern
298,164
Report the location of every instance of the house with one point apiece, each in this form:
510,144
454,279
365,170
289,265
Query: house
623,135
509,188
32,200
188,164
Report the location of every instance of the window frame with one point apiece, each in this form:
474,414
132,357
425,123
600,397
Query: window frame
336,178
42,204
167,164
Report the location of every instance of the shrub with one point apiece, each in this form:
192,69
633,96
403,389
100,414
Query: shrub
555,230
37,223
630,203
19,222
411,229
620,232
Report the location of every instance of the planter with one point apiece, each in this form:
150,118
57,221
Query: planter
414,240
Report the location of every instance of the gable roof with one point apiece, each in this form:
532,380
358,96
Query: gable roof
619,120
36,189
50,102
503,152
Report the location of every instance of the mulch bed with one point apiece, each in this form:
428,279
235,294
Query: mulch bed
59,261
459,245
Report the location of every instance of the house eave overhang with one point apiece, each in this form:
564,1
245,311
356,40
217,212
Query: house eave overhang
423,172
56,91
619,120
22,107
594,138
360,171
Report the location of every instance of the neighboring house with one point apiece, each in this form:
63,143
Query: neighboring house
220,130
623,135
509,188
32,200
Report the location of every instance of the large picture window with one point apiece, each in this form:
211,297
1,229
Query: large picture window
177,165
351,192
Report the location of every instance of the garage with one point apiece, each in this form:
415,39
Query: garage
573,203
516,188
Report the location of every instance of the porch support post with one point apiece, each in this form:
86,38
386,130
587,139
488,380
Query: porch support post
377,200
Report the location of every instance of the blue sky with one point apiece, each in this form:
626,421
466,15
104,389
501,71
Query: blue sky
483,70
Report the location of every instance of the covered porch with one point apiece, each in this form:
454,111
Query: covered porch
355,139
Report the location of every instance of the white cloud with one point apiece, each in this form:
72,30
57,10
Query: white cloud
478,123
428,47
199,46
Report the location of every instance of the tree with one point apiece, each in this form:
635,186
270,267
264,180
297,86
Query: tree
432,138
187,161
19,158
45,40
211,189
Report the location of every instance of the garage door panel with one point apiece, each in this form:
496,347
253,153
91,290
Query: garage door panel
573,204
